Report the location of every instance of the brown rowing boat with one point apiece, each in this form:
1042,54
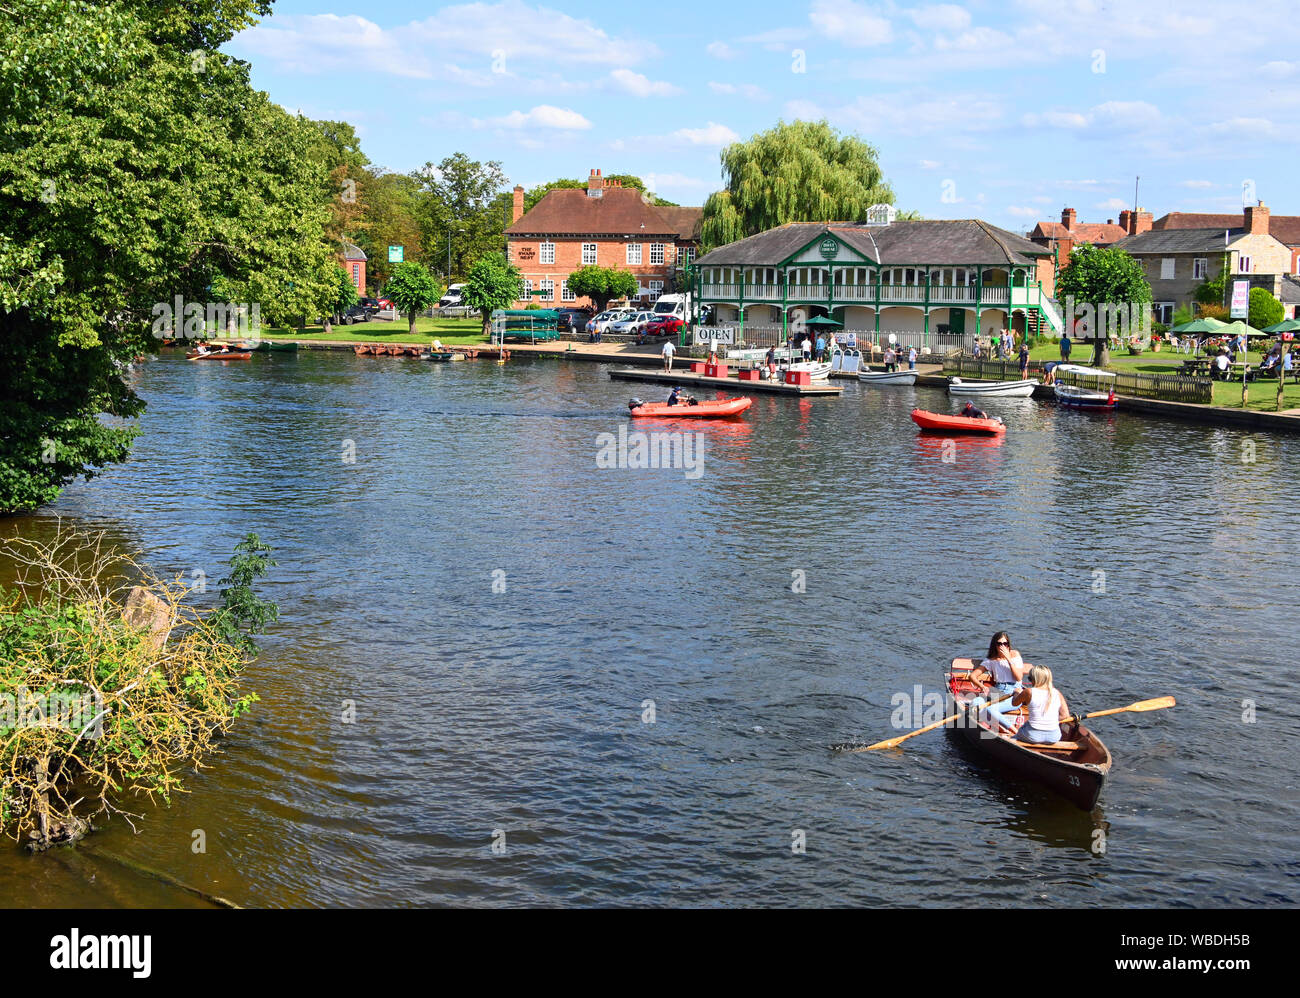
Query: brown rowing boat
1075,767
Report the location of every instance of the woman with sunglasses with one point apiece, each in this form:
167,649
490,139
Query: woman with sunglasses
1006,669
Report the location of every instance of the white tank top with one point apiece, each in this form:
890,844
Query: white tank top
1001,670
1044,709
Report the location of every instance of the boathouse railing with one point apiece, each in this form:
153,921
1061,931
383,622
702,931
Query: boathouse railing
1136,384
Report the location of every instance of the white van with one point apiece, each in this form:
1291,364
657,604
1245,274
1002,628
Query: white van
453,297
677,305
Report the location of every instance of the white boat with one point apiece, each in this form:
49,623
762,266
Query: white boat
1087,372
887,377
1084,398
817,371
1007,389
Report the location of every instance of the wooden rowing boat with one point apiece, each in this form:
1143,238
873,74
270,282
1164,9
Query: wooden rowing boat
1076,767
221,355
887,377
1006,389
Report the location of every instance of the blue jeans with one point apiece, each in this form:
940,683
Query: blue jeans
996,711
1028,734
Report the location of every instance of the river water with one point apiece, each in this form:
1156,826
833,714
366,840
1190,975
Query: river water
503,615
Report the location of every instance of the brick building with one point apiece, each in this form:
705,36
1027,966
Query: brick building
353,260
1061,237
604,224
1284,228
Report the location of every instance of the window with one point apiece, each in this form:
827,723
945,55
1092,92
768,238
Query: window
1167,268
565,293
689,253
526,290
1163,311
356,275
546,253
547,287
1199,266
588,253
656,253
633,254
1243,265
656,289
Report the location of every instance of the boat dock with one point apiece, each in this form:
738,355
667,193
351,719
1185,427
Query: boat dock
731,384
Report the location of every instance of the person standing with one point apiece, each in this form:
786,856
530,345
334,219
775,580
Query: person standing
821,347
1065,349
889,358
976,352
911,358
997,345
1286,364
805,347
1024,360
668,352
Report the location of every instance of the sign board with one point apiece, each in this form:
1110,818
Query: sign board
396,254
847,340
715,334
828,248
1240,300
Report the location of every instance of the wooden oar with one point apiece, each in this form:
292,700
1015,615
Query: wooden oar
891,742
1159,703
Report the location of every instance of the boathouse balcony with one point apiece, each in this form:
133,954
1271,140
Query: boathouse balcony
866,294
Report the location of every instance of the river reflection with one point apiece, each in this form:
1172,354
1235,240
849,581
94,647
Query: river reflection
500,610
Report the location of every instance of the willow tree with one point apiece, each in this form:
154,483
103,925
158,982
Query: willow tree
797,172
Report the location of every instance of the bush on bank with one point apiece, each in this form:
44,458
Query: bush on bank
102,703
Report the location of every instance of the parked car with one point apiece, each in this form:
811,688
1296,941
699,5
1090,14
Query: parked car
663,325
453,297
634,323
600,323
573,318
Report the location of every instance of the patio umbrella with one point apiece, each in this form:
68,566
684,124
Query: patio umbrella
1209,324
1285,326
1237,328
821,320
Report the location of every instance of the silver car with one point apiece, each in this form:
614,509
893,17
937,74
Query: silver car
631,323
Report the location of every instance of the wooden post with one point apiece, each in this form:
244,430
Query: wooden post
1281,374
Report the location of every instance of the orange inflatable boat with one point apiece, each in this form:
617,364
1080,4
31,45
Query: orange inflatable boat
944,423
706,409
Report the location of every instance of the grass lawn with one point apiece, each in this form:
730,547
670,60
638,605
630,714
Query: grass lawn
458,332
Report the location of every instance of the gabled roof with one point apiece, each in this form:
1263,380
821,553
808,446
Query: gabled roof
1177,241
620,211
937,242
1284,228
351,252
1097,233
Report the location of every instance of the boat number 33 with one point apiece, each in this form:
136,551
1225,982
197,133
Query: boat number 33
1074,781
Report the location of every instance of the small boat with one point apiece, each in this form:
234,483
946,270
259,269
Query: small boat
1086,372
393,350
220,355
816,370
944,423
441,356
887,377
266,346
1075,768
361,350
703,409
1005,389
1085,398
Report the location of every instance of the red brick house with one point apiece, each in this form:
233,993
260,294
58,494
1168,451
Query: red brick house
353,260
1061,237
604,224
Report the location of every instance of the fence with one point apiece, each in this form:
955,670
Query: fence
767,336
1169,387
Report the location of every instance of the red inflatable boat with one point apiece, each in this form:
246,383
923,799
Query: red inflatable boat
705,409
941,422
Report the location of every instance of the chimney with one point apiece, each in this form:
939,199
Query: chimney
1110,221
595,184
1257,219
1068,216
1126,221
518,210
1141,221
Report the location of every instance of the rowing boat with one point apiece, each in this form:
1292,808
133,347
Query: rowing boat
704,409
219,355
1075,768
441,356
1006,389
943,423
1084,398
887,377
267,346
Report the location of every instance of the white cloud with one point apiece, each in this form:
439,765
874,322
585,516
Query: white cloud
721,50
940,17
980,40
850,23
1020,211
1132,116
929,164
1278,69
543,116
642,86
1196,183
328,43
747,90
1245,128
805,110
711,134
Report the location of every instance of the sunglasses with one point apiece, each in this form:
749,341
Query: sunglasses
1007,643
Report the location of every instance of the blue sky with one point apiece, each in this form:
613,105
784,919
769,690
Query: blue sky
1006,111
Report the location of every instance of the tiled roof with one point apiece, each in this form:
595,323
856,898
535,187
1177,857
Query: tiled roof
351,252
1289,293
1283,228
619,212
1097,233
960,242
1176,241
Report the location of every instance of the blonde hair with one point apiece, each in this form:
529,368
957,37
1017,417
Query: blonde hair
1040,676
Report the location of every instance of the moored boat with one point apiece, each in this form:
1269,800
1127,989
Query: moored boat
816,370
945,423
1076,767
701,409
1005,389
267,346
440,356
1085,398
220,355
887,377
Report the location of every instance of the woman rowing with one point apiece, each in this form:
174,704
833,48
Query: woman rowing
1005,669
1047,708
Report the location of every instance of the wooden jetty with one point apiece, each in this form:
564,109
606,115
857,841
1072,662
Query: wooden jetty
730,384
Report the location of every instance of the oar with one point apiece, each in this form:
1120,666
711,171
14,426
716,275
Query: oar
891,742
1159,703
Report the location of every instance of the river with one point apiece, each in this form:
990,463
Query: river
626,680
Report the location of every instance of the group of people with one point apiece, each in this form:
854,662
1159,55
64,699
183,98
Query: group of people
809,349
1277,361
1014,683
892,355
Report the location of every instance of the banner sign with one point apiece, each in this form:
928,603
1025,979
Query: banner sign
847,340
1240,300
719,334
396,254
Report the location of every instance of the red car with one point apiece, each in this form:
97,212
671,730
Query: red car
663,325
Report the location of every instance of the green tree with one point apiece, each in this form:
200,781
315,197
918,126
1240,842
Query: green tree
1105,279
463,204
1211,291
412,289
136,164
345,296
1264,308
601,284
492,283
391,215
796,172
